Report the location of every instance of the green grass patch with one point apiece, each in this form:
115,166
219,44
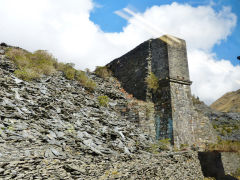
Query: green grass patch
103,101
160,145
78,75
224,146
26,74
225,129
83,79
152,82
34,65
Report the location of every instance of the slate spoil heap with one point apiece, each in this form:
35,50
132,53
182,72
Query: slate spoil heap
53,128
226,124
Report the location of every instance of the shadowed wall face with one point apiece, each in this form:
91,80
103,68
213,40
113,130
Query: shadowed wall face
215,164
131,70
169,58
159,59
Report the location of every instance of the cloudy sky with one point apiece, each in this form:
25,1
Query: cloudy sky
94,32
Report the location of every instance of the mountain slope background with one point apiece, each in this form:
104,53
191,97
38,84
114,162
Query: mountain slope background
229,102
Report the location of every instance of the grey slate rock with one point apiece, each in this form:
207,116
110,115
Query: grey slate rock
60,132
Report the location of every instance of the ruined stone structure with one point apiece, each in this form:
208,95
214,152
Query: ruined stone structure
166,58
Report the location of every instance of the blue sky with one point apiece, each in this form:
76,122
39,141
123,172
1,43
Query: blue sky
104,16
92,33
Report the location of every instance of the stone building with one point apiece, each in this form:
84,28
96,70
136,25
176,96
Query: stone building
174,116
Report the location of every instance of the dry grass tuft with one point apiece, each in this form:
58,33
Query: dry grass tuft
102,71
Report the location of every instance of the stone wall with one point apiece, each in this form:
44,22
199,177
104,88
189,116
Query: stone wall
169,58
231,162
174,116
159,68
173,99
131,70
182,112
220,165
140,113
163,112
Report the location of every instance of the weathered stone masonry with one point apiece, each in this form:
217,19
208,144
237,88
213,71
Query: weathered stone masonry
166,58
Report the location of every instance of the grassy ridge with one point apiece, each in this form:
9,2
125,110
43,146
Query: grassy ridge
230,102
32,66
224,146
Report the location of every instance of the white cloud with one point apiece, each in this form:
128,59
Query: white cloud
212,78
63,28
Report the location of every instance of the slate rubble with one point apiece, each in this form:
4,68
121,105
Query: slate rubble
231,120
53,128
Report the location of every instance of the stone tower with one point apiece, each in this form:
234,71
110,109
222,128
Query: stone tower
166,58
173,98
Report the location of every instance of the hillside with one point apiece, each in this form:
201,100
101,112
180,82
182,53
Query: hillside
54,127
230,102
226,124
57,122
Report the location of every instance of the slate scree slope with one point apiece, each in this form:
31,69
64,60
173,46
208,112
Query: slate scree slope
175,117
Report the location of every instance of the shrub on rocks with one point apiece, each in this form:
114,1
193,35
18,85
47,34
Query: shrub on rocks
26,74
103,101
102,71
73,74
83,79
67,69
32,65
69,72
